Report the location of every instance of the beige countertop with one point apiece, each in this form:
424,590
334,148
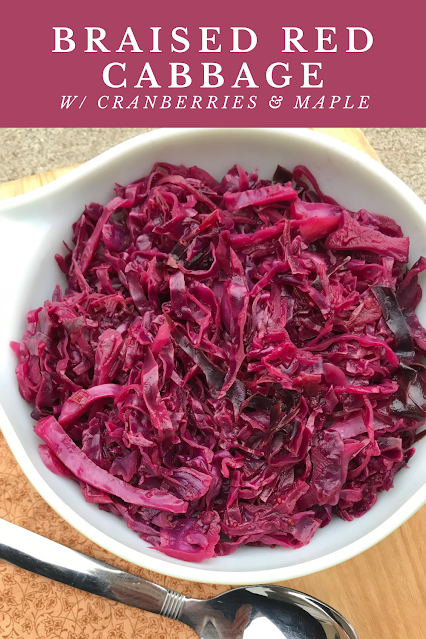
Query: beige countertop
26,152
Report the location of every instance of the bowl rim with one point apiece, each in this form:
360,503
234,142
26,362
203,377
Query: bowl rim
190,571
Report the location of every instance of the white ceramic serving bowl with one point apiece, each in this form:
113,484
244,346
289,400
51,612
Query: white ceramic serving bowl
32,227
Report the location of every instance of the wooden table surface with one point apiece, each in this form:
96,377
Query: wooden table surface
382,591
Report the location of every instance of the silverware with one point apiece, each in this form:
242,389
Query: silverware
268,612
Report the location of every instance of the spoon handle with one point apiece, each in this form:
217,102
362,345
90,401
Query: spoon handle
42,556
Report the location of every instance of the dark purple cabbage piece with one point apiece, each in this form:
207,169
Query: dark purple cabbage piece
231,363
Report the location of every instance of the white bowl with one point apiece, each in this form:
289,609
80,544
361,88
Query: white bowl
32,227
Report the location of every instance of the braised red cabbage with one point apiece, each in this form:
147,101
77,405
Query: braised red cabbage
231,362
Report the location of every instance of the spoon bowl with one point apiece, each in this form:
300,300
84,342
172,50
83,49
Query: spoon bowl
265,611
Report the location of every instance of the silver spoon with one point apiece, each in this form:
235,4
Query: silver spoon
269,612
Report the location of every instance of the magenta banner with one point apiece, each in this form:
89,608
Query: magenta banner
222,63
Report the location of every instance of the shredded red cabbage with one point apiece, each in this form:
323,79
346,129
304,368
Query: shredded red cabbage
231,363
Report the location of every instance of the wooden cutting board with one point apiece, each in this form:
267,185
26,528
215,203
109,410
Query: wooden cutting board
382,591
